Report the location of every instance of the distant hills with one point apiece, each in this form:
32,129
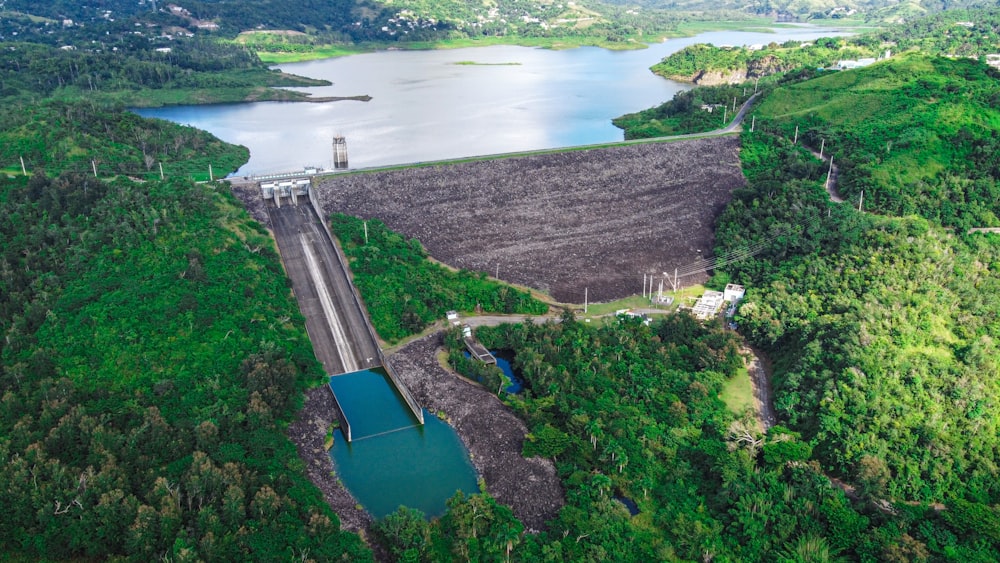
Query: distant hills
954,33
410,20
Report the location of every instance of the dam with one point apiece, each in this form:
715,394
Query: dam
343,339
384,453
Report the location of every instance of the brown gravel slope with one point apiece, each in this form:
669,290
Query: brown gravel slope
560,222
493,435
308,433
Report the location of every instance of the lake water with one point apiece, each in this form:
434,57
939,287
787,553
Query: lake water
426,107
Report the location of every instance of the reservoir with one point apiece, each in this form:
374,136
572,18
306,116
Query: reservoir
433,105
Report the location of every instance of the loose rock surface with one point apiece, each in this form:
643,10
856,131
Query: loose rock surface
562,222
491,433
308,432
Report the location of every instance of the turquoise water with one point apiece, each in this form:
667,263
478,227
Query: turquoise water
420,467
392,460
370,402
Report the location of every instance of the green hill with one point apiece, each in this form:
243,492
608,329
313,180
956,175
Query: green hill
917,134
960,33
881,324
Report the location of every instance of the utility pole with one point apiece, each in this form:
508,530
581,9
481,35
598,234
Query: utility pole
734,104
822,144
23,171
93,165
643,285
161,170
366,233
829,173
795,141
725,112
211,177
753,121
862,200
497,275
585,297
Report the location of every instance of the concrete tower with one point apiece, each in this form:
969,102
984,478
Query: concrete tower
339,152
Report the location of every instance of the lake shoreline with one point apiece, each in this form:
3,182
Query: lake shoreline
322,52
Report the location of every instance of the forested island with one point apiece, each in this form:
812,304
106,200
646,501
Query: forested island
152,356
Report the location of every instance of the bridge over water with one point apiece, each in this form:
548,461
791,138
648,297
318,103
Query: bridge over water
343,339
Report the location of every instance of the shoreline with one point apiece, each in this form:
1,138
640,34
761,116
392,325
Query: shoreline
687,29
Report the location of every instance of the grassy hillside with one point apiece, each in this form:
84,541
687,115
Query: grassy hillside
917,134
57,137
882,326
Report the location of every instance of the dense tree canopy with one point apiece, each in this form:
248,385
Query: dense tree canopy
404,292
151,355
882,328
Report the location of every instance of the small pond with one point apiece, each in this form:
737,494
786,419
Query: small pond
505,361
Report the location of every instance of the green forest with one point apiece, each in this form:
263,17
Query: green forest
882,324
152,356
405,292
631,413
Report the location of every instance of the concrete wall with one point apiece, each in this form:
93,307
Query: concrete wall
345,425
415,408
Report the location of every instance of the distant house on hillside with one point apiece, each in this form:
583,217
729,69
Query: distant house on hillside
849,64
993,60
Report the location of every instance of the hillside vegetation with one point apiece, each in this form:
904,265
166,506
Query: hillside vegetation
919,135
54,137
152,354
405,292
631,414
882,328
958,33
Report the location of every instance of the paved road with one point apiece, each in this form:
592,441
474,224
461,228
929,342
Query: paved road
337,327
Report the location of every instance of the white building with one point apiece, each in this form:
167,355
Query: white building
733,293
708,305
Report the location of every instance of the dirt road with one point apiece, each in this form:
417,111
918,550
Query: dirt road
759,368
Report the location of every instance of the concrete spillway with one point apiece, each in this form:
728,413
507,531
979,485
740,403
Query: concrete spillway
342,338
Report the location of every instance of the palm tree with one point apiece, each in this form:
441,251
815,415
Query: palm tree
809,548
